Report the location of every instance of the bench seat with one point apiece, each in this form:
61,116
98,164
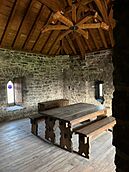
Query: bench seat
92,130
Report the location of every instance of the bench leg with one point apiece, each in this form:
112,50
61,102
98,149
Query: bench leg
66,135
83,147
49,132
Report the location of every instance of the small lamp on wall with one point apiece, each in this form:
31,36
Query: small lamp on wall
99,91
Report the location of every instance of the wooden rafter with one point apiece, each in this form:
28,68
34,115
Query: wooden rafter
36,26
40,36
94,26
103,11
33,25
50,42
74,13
54,27
71,44
22,25
94,39
60,37
103,37
88,44
10,18
54,5
82,50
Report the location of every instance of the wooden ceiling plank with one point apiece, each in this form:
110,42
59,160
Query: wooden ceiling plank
32,27
12,13
49,43
82,50
103,38
66,46
88,44
69,2
112,21
35,27
103,11
60,37
85,2
58,50
53,5
83,33
40,36
19,29
71,44
93,38
111,37
74,13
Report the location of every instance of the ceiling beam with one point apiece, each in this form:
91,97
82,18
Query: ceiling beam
41,37
50,41
74,13
22,24
80,46
103,38
94,39
33,25
103,11
71,44
88,44
66,47
36,27
53,5
60,37
54,27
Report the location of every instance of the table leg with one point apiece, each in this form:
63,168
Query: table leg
66,135
84,146
49,132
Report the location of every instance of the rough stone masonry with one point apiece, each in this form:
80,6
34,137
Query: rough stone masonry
46,78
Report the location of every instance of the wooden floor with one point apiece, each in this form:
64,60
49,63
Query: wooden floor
20,151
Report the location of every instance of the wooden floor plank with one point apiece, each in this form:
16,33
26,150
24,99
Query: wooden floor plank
23,152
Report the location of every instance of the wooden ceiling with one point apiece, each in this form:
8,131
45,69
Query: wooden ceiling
22,22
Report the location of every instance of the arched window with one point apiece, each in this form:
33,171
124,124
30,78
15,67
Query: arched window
10,92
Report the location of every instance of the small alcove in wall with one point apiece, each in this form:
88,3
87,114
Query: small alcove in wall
99,96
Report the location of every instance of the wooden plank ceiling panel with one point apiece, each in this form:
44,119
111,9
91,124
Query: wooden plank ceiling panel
66,46
42,38
35,35
80,45
6,9
14,23
27,23
35,30
22,22
50,42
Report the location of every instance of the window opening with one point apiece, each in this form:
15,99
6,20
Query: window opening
10,92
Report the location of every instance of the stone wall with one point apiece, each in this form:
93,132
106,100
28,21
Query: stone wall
80,77
42,78
46,78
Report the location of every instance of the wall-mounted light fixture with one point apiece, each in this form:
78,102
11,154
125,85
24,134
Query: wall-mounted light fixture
99,91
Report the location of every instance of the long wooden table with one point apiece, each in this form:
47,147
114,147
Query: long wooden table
68,117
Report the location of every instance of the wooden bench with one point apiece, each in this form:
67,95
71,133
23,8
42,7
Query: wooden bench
90,131
42,106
